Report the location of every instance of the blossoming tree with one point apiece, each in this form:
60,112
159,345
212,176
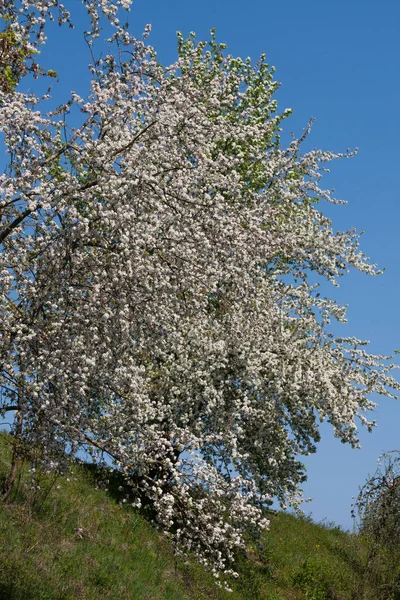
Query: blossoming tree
156,300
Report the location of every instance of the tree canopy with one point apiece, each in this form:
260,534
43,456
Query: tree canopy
159,303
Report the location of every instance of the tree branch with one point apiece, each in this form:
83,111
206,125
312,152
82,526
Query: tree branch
6,232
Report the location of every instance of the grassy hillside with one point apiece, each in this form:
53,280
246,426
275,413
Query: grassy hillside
73,539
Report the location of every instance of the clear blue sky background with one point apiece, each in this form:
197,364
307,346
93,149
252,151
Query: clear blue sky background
338,61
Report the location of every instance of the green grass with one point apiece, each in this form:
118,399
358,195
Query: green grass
73,539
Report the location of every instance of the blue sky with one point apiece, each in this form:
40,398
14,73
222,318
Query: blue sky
338,62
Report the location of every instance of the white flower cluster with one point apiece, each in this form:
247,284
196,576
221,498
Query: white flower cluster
28,18
156,299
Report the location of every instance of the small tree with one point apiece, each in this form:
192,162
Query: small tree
156,302
377,508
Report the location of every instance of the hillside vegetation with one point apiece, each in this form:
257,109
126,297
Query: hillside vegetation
71,538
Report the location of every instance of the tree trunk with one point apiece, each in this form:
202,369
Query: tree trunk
15,460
